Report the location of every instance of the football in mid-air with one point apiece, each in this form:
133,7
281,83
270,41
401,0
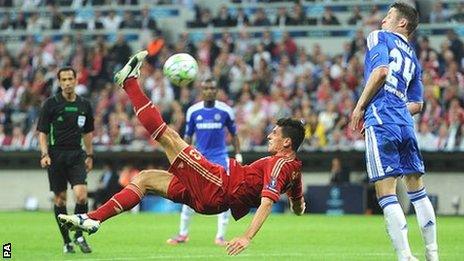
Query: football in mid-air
181,69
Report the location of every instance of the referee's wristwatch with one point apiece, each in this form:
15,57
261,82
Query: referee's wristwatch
89,156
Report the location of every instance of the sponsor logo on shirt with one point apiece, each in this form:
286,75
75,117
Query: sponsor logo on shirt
209,125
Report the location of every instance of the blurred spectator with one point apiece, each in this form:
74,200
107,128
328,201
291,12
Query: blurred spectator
455,45
458,15
328,18
128,2
35,23
439,14
6,23
268,42
111,21
205,18
315,132
129,21
17,139
20,21
339,174
298,16
374,19
96,22
426,140
120,52
6,3
282,18
261,18
241,19
57,18
356,18
30,4
146,21
239,74
442,139
223,19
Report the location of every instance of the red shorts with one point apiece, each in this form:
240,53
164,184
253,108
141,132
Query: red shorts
198,183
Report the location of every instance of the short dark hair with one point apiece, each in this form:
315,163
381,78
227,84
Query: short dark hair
408,12
293,129
209,80
65,69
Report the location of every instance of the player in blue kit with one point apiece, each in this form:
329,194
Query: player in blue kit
392,94
207,120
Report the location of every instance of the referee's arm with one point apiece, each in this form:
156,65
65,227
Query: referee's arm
45,160
87,137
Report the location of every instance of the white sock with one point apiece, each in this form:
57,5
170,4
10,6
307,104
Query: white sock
397,227
425,218
185,217
223,221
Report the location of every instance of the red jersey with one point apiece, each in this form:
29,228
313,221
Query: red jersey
267,177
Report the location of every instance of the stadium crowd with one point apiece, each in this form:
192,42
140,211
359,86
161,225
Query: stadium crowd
262,81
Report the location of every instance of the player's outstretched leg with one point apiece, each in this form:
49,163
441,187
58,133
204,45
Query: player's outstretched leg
425,215
145,110
185,218
153,181
395,219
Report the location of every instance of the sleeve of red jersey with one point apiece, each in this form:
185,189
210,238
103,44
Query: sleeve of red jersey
276,179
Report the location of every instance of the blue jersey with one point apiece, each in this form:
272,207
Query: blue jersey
209,125
403,83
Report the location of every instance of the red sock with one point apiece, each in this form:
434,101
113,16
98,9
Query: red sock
126,199
146,112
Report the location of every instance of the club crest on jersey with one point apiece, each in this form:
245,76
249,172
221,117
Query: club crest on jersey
217,117
80,121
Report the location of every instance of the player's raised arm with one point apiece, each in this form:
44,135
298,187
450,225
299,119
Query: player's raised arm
238,244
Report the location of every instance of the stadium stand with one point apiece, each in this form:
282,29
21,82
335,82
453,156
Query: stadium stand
272,59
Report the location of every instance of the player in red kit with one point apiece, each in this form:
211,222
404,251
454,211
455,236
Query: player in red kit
200,184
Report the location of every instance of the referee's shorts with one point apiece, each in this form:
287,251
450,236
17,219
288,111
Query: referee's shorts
66,166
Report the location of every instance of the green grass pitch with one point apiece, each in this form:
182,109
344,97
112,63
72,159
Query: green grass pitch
34,236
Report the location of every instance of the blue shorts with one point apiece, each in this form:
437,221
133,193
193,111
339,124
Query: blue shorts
392,151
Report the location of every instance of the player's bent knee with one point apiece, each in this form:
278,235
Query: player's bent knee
153,181
414,182
385,187
142,179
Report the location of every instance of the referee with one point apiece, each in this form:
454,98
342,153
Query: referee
65,122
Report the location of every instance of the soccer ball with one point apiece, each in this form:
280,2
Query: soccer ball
181,69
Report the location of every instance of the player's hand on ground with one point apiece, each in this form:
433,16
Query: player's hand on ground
45,161
88,164
237,245
356,118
